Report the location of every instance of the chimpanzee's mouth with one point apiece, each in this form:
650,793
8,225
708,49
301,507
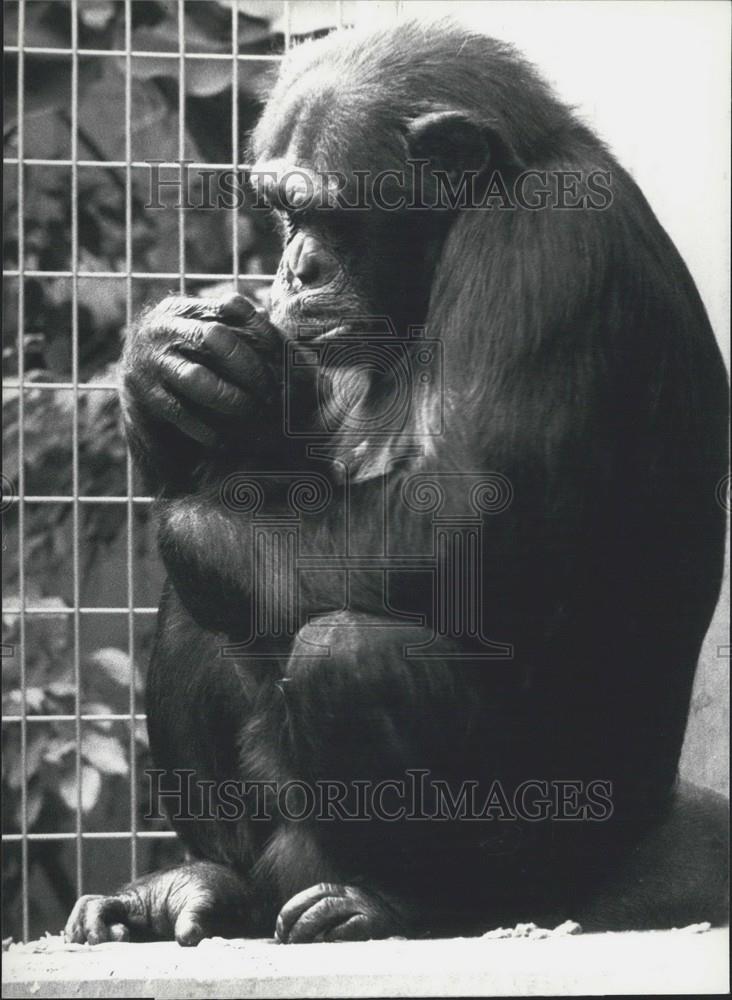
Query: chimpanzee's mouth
331,332
311,331
298,324
303,321
314,329
311,327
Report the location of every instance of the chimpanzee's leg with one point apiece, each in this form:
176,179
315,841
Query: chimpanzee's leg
362,718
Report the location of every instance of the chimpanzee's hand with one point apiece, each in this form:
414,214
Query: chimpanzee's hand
202,366
188,903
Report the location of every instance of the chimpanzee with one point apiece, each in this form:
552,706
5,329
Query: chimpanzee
447,515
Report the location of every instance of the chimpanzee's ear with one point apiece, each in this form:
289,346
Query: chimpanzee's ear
455,142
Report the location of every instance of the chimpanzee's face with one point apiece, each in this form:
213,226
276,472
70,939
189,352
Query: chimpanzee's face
318,281
340,261
350,246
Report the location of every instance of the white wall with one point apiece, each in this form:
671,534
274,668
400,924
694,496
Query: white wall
652,77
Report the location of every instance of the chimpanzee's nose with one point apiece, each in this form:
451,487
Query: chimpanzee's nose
308,262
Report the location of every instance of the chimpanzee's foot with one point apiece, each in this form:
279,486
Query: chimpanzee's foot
330,912
187,903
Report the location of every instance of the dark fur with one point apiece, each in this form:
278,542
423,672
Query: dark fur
580,365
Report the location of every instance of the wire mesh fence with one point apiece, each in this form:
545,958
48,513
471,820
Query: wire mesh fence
102,89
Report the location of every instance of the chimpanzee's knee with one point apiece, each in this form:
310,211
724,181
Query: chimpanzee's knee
351,660
362,701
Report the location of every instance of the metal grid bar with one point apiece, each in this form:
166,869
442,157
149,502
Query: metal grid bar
18,384
84,499
30,610
87,717
129,469
181,141
75,530
25,611
21,481
235,136
146,275
10,838
10,161
288,22
45,50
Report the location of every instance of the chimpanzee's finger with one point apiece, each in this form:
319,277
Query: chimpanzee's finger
163,405
234,309
233,354
244,314
239,355
355,928
302,901
191,925
93,917
183,307
200,385
190,307
238,309
321,919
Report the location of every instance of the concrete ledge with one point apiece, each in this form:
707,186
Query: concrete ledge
676,962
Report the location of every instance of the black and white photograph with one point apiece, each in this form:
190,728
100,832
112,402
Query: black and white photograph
365,498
